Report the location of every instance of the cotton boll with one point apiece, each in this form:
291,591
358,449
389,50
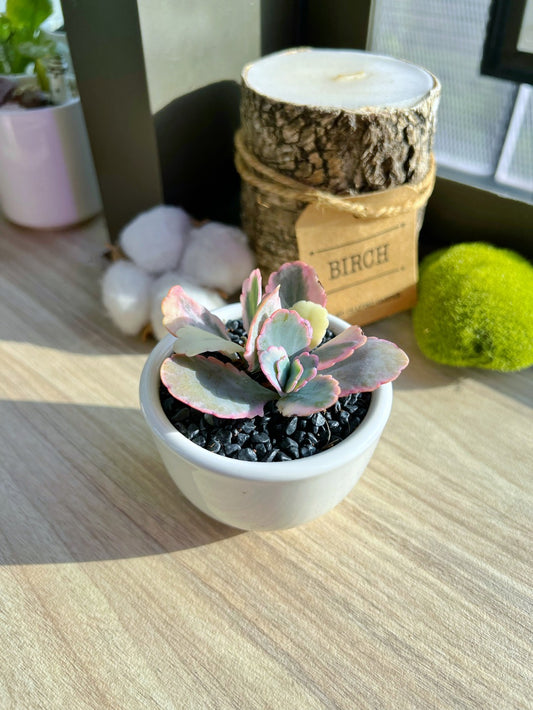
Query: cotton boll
217,256
155,239
161,286
126,296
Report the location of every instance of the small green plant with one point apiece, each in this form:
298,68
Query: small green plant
281,358
21,41
475,308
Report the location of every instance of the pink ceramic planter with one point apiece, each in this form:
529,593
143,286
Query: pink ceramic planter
47,176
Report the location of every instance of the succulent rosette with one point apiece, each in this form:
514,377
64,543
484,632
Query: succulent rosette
282,358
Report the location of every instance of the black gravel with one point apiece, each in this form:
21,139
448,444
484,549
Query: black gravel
272,437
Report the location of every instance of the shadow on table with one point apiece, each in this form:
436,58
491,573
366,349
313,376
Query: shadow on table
85,483
52,291
423,373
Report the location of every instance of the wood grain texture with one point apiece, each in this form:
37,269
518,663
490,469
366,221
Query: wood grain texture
415,592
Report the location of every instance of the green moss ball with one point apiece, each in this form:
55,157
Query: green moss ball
475,308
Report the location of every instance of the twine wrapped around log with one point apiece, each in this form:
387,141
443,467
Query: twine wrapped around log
285,198
290,154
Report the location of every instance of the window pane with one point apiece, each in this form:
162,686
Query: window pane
516,162
446,37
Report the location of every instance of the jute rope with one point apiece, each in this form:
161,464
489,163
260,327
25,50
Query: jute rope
270,181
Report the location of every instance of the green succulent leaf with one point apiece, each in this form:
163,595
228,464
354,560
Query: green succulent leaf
251,297
340,347
371,365
275,365
269,305
316,315
318,394
180,310
287,328
28,14
297,282
213,387
303,369
5,28
191,340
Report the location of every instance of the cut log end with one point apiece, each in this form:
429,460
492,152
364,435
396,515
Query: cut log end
343,122
346,122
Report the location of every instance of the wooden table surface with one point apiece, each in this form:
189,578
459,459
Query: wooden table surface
415,592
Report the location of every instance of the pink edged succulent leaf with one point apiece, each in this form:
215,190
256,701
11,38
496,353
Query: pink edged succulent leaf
371,365
191,340
319,393
275,365
340,347
303,369
251,297
269,305
286,328
298,282
214,387
179,310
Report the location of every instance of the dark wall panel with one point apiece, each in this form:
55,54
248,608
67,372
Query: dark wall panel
106,48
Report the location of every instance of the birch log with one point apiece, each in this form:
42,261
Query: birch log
344,121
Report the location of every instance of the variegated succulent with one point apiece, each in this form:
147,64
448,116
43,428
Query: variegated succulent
282,357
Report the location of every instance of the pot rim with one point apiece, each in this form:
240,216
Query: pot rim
20,110
364,436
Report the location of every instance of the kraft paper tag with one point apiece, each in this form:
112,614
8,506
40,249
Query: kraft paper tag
362,262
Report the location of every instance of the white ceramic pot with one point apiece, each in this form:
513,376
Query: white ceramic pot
47,176
259,495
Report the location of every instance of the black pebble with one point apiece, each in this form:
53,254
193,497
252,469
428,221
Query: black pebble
247,455
272,456
291,426
318,419
261,451
241,438
232,449
214,446
260,437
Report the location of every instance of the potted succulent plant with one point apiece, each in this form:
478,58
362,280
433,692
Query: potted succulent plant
47,176
261,410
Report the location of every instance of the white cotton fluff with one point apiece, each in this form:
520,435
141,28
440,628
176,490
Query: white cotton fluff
217,256
161,286
126,296
155,239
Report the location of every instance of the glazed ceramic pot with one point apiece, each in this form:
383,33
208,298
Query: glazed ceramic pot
47,175
259,495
